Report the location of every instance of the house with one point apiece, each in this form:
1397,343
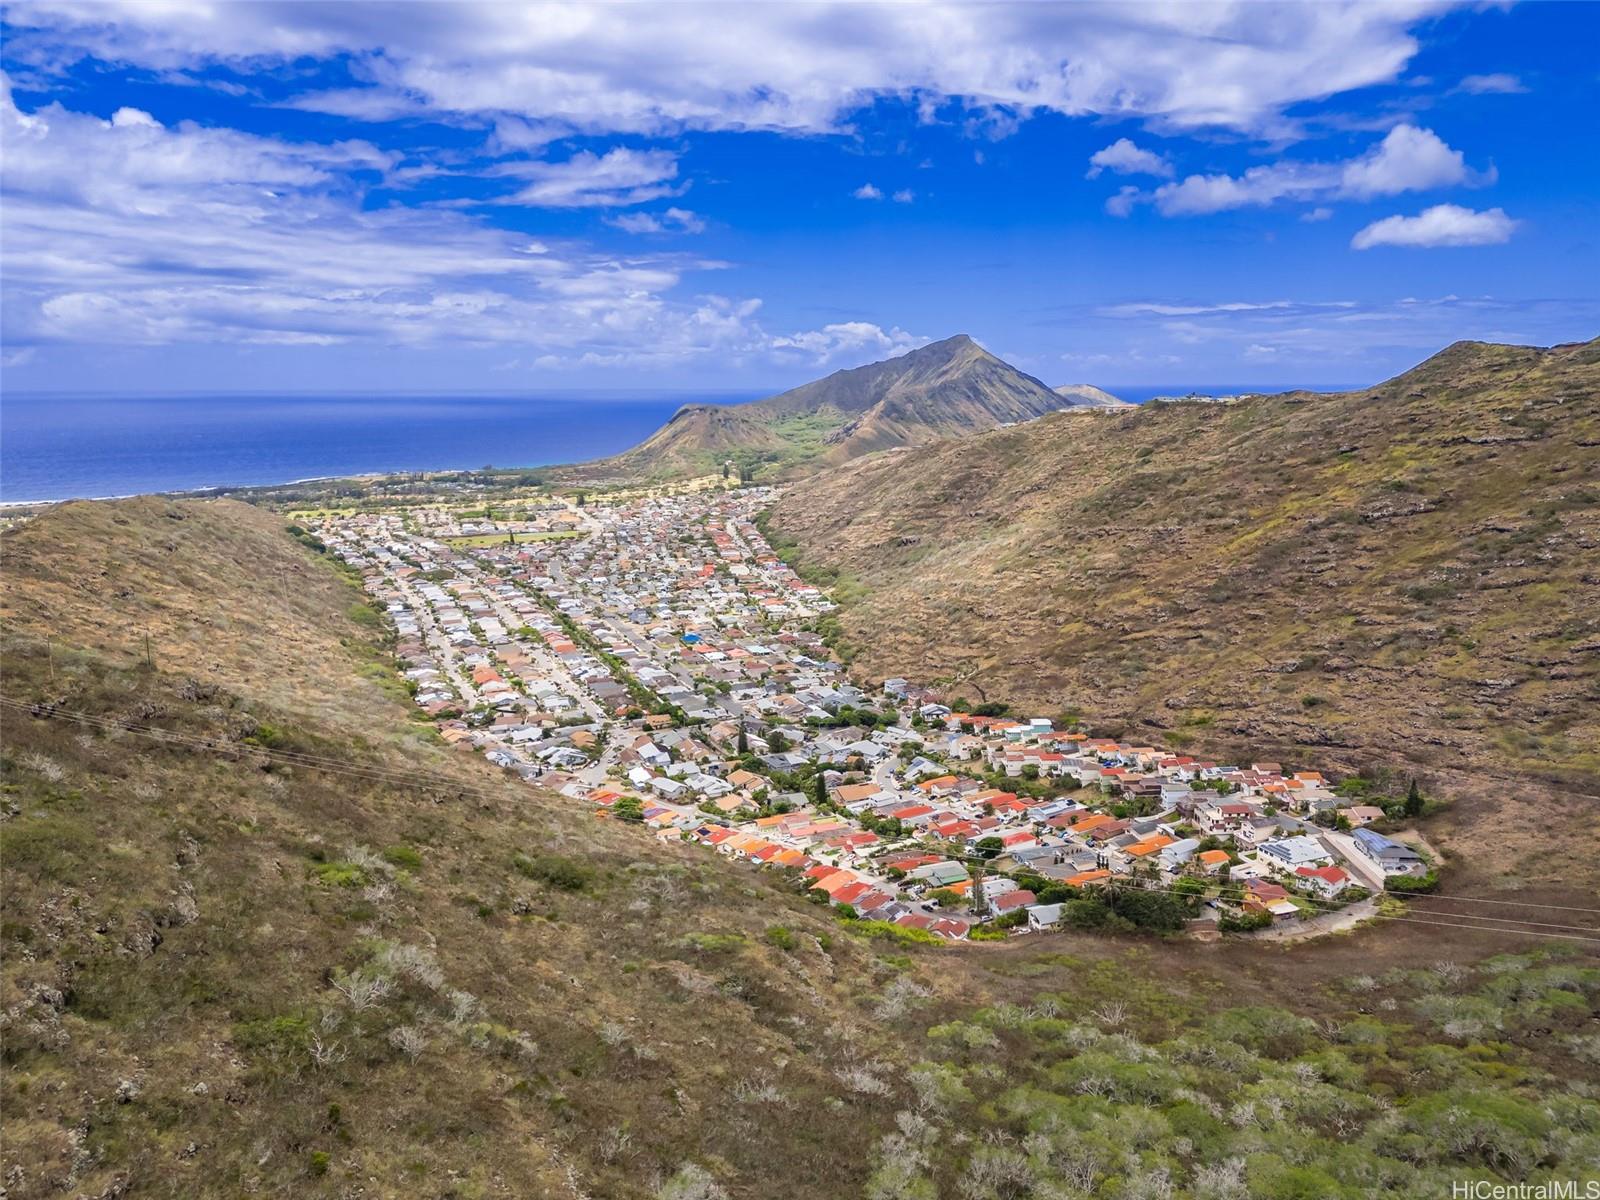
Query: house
1326,882
1014,899
1224,817
1291,853
1363,814
1211,861
1394,857
1045,916
1174,856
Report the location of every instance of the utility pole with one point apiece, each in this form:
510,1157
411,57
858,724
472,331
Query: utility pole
148,661
50,660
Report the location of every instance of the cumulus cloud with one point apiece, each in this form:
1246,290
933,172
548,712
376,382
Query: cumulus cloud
1125,158
673,220
860,341
867,192
183,234
788,67
1408,159
1441,225
905,196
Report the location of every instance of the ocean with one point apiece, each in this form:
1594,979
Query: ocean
59,447
55,447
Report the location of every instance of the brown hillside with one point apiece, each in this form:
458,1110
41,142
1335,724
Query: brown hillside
295,947
180,914
1407,573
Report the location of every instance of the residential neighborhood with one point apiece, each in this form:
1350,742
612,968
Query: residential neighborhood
653,657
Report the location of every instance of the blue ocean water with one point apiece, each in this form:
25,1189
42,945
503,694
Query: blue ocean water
55,447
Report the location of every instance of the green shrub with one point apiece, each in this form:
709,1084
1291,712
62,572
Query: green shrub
555,870
340,874
782,937
889,931
403,856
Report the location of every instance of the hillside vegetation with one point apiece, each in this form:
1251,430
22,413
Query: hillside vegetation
1405,575
294,947
943,389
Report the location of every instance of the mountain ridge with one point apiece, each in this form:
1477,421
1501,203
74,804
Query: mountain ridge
1390,574
946,388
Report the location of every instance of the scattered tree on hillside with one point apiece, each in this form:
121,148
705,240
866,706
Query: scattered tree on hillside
1413,799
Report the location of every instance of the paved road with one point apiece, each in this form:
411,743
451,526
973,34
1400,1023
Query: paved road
1358,864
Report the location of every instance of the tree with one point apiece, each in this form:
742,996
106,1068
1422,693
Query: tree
822,790
1413,799
989,847
630,809
743,746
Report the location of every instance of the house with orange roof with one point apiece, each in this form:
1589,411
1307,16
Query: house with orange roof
832,884
1150,845
1087,878
851,893
1212,861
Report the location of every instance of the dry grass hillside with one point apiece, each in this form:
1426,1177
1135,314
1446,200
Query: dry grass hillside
295,947
189,917
1407,575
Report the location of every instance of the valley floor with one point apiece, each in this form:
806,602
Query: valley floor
664,665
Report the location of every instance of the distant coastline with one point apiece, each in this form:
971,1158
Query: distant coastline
58,447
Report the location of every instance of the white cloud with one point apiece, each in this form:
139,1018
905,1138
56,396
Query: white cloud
673,220
1491,85
860,341
905,196
1408,159
867,192
1123,203
789,67
1170,309
189,235
1125,158
617,178
1441,225
1305,333
1312,216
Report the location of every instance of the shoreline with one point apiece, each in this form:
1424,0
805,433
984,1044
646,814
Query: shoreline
190,492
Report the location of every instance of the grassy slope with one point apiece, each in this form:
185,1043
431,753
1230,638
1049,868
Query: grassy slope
177,919
174,918
1404,574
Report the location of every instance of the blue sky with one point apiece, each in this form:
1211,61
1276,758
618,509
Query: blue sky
297,196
